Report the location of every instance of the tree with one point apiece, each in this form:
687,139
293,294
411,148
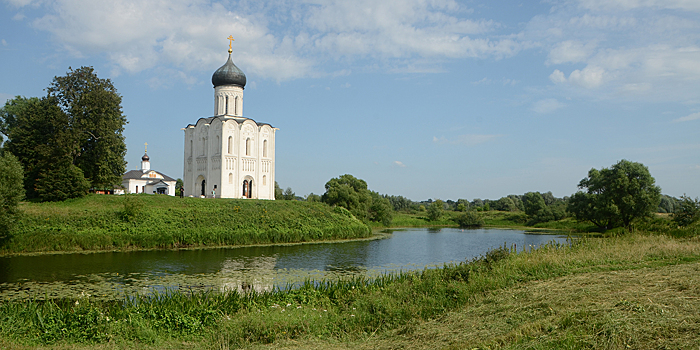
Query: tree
350,193
380,210
61,180
687,212
435,210
288,194
469,219
96,122
617,196
38,134
279,194
178,185
313,197
11,190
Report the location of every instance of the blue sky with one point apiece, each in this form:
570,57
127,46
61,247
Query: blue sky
421,98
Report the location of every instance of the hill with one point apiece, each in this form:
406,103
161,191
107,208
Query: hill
98,222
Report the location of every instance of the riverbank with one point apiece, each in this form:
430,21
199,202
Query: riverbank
639,290
142,222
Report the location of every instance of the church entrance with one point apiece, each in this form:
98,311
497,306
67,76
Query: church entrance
247,188
204,188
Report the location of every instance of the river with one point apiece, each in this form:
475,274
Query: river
112,275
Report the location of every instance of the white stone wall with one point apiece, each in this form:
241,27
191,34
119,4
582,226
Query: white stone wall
211,157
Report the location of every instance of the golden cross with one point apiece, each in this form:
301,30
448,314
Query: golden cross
230,41
146,146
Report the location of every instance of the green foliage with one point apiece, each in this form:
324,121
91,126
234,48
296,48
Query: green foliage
11,190
288,194
687,212
59,181
79,124
97,222
96,124
178,185
380,210
470,219
505,204
435,210
400,203
279,194
313,197
617,196
350,193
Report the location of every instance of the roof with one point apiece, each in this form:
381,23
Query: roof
138,175
223,118
228,74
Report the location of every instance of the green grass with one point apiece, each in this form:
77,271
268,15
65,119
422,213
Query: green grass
638,290
99,222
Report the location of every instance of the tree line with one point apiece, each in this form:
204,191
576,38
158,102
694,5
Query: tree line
607,198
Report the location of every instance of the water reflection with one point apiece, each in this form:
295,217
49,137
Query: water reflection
112,274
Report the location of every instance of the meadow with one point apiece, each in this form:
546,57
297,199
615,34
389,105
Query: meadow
637,290
99,222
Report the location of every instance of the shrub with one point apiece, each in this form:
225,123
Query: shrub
469,219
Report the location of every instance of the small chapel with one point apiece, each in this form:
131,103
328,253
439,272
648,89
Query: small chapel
228,155
147,180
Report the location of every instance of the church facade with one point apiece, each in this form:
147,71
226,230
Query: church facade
229,155
146,180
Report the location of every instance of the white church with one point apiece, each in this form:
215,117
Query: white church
228,155
146,180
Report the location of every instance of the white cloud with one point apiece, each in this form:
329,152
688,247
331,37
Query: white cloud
399,164
277,39
688,5
687,118
570,51
4,43
557,77
547,105
469,139
589,77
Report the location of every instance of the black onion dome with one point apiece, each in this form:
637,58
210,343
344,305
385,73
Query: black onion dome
145,157
228,74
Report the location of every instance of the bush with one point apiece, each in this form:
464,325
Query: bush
469,219
688,211
435,210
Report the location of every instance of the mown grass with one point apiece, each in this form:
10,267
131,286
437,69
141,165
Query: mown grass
637,290
161,222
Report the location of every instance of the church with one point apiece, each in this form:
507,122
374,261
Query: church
146,180
228,155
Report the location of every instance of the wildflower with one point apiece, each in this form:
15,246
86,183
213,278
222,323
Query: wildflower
288,305
352,315
299,307
76,303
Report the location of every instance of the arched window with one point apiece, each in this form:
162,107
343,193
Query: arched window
230,145
264,180
191,147
247,146
265,149
235,105
230,178
226,108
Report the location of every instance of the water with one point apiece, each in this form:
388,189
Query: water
112,274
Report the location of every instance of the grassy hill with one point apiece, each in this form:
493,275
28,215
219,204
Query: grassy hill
100,222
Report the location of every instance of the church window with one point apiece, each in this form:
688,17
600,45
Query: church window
264,180
191,149
247,146
265,149
226,110
218,144
236,108
230,178
230,145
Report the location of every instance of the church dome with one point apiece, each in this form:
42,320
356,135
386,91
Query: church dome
145,158
228,74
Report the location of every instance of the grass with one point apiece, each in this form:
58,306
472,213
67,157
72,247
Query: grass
638,290
99,222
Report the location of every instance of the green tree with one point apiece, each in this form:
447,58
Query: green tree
288,194
470,219
11,190
61,180
96,122
435,210
536,208
38,134
178,185
313,197
279,194
350,193
617,196
380,210
687,212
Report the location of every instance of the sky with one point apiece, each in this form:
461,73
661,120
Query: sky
428,99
